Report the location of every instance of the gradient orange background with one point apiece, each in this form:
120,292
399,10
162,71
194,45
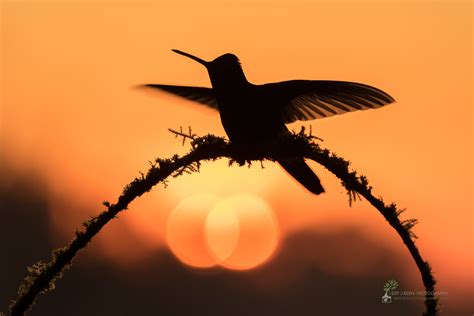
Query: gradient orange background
69,112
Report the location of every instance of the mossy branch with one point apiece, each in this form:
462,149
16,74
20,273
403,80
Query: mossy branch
42,276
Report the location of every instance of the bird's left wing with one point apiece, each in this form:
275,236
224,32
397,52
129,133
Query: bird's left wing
201,95
311,99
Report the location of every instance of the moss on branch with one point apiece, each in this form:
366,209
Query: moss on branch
43,275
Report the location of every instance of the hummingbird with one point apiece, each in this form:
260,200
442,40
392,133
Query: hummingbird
253,114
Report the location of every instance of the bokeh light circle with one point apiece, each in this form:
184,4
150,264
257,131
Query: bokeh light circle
222,229
185,230
242,232
238,233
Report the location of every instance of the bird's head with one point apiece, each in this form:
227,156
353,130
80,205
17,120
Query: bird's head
227,61
223,69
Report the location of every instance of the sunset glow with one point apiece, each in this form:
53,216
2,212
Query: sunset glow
238,232
242,232
71,115
185,231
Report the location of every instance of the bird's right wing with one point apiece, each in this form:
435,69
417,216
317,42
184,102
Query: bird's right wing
201,95
302,100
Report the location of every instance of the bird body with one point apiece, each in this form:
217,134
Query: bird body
245,123
242,105
253,115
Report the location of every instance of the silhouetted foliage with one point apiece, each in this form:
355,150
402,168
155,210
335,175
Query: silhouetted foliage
43,275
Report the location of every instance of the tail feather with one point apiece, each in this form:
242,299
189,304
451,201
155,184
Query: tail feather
299,170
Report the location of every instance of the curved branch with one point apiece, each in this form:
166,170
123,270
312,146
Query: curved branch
42,276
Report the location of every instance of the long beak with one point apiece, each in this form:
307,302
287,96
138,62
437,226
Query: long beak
199,60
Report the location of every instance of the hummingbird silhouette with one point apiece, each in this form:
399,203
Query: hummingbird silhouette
253,115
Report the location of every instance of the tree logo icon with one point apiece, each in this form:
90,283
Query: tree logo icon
390,285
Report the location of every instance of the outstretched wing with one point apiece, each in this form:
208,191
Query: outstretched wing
311,99
202,95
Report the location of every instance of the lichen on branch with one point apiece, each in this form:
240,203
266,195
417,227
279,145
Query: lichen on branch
42,276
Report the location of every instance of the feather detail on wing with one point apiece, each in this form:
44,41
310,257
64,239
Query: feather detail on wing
312,99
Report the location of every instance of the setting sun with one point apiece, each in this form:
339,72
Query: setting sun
253,235
238,232
185,231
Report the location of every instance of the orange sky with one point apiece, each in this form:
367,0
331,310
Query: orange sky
68,109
